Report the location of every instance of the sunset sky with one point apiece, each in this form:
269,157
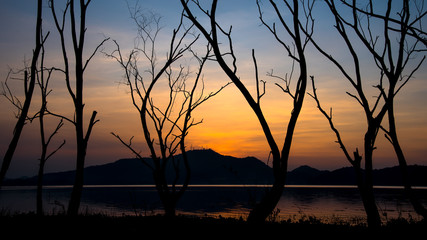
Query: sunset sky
229,125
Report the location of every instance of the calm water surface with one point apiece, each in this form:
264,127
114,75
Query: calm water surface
325,202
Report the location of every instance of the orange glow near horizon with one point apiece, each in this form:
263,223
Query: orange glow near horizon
231,128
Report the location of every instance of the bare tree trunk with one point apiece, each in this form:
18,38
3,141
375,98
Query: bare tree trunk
269,201
368,198
167,197
392,61
82,137
29,89
369,204
367,191
365,187
74,204
364,179
39,197
44,155
392,135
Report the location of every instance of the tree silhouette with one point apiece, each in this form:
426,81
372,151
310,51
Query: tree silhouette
391,64
394,64
78,38
29,83
43,83
292,28
164,126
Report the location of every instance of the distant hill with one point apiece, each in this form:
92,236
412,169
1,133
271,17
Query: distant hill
207,167
210,167
391,176
304,175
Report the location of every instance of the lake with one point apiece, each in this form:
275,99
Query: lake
337,203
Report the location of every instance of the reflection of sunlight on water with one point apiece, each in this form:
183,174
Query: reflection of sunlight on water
327,203
237,213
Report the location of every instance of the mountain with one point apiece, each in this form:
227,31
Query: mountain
210,167
207,167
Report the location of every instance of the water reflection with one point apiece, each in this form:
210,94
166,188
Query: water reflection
234,201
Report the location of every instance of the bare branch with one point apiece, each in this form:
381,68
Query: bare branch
47,143
286,80
416,32
61,28
7,93
410,75
92,122
259,95
129,146
331,124
357,99
94,52
273,30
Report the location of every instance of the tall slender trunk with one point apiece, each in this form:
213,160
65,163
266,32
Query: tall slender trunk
7,159
166,196
169,204
74,203
77,191
81,142
81,139
39,198
369,204
365,182
280,162
366,189
409,192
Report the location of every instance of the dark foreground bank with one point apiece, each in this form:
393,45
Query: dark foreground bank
30,226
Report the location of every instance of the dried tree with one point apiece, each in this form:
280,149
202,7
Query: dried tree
43,83
164,126
407,29
373,118
391,64
78,31
291,28
29,83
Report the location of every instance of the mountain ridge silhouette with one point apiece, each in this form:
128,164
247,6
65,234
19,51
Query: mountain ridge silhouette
210,167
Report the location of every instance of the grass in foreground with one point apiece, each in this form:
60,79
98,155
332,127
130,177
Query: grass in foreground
131,227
